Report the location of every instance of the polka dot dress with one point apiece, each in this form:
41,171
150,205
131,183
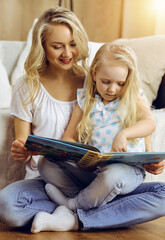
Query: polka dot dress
106,124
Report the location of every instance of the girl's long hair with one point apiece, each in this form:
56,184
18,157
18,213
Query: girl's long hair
129,109
36,62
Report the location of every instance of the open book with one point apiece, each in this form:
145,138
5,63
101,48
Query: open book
87,156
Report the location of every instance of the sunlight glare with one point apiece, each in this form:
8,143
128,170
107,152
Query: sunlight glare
159,5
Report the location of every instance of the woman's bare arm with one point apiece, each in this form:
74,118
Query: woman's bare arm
18,150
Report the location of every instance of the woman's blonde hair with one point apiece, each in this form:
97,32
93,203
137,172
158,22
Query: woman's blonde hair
118,55
36,62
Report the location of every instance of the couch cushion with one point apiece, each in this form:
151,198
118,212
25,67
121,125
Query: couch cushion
19,71
5,88
150,53
9,53
93,48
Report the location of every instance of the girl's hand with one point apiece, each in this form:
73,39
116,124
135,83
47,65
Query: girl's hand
119,143
20,152
155,168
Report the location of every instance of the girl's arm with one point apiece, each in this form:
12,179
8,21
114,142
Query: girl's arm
148,143
71,133
142,128
18,150
145,124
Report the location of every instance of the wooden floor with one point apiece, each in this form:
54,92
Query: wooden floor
154,230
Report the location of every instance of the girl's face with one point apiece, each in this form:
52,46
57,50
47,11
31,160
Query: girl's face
110,81
60,47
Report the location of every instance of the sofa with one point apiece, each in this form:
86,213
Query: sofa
150,53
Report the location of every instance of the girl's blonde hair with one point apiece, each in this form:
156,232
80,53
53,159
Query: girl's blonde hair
129,110
36,62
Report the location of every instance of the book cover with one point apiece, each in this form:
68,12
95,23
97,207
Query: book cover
87,156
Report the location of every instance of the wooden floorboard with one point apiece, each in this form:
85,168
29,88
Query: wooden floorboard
154,230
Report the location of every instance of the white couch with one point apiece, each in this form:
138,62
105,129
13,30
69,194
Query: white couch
151,61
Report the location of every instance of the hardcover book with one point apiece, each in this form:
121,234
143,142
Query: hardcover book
87,157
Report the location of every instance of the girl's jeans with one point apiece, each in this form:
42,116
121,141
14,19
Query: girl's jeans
20,201
91,188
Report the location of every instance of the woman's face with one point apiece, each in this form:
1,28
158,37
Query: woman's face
60,47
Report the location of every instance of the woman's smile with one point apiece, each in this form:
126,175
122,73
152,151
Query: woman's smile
66,61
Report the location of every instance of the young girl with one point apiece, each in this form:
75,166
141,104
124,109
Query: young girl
42,104
111,115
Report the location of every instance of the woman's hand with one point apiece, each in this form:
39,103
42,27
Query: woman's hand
20,152
155,168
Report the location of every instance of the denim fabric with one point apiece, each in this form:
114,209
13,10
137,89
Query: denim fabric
145,203
91,189
20,201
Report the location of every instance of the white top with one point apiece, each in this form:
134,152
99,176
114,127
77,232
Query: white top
49,117
106,124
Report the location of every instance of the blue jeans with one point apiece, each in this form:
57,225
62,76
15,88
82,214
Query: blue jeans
90,189
20,201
